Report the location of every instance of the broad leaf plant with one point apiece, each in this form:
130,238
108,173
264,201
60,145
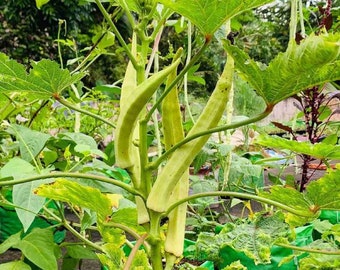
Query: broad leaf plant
134,196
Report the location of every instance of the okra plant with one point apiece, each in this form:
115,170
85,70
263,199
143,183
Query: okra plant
154,188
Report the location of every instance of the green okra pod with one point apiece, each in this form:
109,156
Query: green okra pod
134,103
181,159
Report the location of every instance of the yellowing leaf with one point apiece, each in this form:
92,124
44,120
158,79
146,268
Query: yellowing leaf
114,199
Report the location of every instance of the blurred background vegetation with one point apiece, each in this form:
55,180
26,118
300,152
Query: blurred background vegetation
28,34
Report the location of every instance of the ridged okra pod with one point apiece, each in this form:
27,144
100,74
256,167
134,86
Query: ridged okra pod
134,102
174,133
181,159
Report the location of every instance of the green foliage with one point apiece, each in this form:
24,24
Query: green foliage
254,239
321,150
314,62
200,11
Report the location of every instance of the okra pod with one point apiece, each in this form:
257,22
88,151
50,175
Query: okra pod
181,159
128,116
173,133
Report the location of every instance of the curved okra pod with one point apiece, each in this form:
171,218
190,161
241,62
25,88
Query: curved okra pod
173,133
134,103
181,159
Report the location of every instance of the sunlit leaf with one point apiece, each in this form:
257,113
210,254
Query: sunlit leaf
45,78
319,150
69,191
40,3
11,241
319,195
315,61
254,239
15,265
209,15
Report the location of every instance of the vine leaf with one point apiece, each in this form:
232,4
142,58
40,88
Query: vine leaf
45,79
315,61
323,194
319,150
255,239
209,15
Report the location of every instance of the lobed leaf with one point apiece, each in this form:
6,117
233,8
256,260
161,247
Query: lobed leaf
315,61
44,79
209,15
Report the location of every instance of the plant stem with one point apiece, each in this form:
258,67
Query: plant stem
310,250
237,195
134,251
116,32
178,78
76,108
73,175
293,21
156,163
155,241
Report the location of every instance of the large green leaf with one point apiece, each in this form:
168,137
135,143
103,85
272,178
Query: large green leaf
31,142
45,78
209,15
315,61
15,265
318,150
38,246
68,191
321,194
28,203
254,239
11,241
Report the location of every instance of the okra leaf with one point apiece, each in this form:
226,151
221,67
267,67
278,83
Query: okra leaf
69,191
254,239
315,61
44,79
26,202
15,265
319,260
321,194
319,150
209,15
38,246
31,142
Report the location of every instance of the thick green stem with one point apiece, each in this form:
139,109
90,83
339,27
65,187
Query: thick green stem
78,109
72,175
241,196
155,241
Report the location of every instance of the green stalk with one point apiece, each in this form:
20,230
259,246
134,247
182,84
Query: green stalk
229,115
310,250
76,108
185,82
178,78
236,195
104,179
293,21
155,241
116,32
